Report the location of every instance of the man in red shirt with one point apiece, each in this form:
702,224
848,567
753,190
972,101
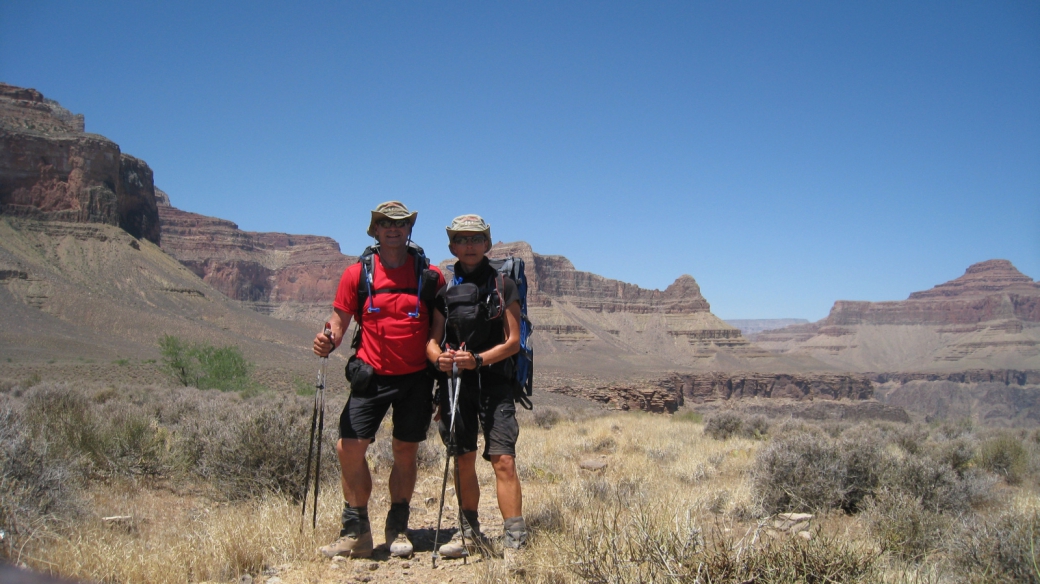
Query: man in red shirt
395,325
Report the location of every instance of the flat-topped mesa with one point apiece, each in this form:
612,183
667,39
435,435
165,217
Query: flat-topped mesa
554,277
251,266
990,290
574,308
51,170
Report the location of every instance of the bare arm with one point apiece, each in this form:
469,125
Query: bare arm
500,352
338,322
441,359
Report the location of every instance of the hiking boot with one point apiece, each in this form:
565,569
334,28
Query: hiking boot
398,543
351,546
474,543
514,538
396,531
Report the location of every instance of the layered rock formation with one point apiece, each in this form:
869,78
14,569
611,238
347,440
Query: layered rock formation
575,310
289,276
51,170
989,318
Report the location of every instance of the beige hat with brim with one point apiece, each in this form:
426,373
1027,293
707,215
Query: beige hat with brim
390,210
468,224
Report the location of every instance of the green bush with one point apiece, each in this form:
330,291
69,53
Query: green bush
205,366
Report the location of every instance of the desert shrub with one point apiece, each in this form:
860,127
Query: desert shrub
911,437
1006,456
724,425
260,450
35,487
937,486
64,419
958,453
205,366
902,525
546,417
804,471
755,428
1004,548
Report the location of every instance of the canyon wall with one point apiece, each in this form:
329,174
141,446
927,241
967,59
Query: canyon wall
51,170
290,276
989,318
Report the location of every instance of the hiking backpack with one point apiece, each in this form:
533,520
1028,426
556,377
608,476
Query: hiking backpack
523,362
426,290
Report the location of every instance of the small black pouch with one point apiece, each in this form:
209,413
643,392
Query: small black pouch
359,374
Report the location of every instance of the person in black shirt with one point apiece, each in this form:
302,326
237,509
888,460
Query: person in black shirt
480,338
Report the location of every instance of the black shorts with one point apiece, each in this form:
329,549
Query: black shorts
493,408
411,395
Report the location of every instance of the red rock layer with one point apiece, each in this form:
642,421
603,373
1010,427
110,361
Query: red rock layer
51,170
251,266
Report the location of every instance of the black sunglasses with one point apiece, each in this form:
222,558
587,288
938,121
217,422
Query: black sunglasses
464,239
391,222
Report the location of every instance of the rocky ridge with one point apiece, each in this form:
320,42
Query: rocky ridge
287,276
989,318
51,170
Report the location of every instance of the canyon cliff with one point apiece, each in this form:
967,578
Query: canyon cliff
287,276
51,170
989,318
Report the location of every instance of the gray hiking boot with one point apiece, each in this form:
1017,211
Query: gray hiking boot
396,531
513,540
359,546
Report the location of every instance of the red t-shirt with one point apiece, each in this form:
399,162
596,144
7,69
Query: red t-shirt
392,342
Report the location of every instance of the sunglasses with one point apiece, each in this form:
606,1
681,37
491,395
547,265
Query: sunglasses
467,239
391,222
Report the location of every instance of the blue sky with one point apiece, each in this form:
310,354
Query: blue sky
785,154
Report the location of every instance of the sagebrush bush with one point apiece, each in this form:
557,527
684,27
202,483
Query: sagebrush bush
724,425
546,417
36,486
814,472
902,525
1006,456
1004,548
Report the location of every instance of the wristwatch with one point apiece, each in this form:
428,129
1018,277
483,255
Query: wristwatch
478,359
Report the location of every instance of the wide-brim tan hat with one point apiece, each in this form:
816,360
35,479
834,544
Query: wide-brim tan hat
468,224
390,210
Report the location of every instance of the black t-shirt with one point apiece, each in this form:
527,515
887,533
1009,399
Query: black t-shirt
483,277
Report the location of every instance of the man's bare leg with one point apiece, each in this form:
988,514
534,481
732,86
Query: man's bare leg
355,475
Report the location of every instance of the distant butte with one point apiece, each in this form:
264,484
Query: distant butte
989,318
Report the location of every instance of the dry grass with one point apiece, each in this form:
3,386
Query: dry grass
672,503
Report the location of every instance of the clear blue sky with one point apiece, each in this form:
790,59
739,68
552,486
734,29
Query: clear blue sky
785,154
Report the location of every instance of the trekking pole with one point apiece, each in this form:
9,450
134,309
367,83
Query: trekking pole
317,422
447,459
451,434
